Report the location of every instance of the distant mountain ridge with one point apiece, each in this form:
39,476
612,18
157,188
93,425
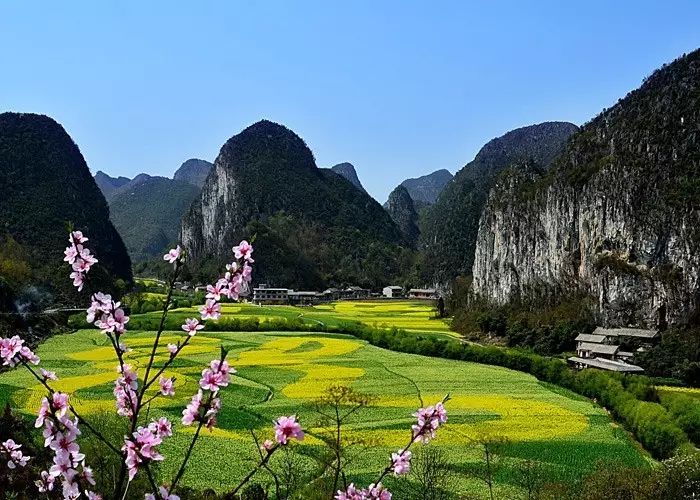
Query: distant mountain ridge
426,188
147,210
109,184
194,171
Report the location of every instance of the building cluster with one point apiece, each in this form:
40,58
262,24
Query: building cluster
397,292
604,348
264,294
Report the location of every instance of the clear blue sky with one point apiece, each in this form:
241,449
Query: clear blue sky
398,88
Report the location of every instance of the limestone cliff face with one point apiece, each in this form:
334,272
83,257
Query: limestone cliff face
310,222
616,218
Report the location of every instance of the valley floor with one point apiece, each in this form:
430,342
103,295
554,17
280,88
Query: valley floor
284,373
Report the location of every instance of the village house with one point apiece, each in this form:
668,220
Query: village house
392,291
263,294
355,292
422,293
602,349
301,298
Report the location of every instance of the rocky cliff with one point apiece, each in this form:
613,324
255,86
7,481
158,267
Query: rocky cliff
617,217
449,227
314,227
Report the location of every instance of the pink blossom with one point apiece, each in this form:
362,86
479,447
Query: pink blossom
172,349
82,265
243,250
87,258
401,462
9,349
91,495
216,376
59,403
191,412
100,303
26,354
161,427
120,320
211,413
62,466
378,492
210,310
87,475
173,255
429,420
77,237
267,445
163,494
351,493
64,442
44,411
78,280
13,454
166,386
215,291
288,427
45,484
71,252
48,375
141,448
71,490
128,376
192,326
125,391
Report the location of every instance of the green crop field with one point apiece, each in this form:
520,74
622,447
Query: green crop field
411,315
283,373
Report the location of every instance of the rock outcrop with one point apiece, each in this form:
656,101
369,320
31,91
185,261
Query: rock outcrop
348,171
403,213
449,227
265,182
617,217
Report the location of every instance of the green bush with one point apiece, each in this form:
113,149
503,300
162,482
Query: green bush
686,411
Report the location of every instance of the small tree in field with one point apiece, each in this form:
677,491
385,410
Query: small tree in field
336,407
137,451
490,448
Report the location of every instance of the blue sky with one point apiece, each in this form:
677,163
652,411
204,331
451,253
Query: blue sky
398,88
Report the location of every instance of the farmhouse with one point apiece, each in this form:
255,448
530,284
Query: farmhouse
266,295
355,292
303,298
603,348
392,291
422,293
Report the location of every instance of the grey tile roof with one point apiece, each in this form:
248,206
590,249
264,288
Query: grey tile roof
626,332
606,364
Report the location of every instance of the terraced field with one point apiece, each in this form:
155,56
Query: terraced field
283,373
